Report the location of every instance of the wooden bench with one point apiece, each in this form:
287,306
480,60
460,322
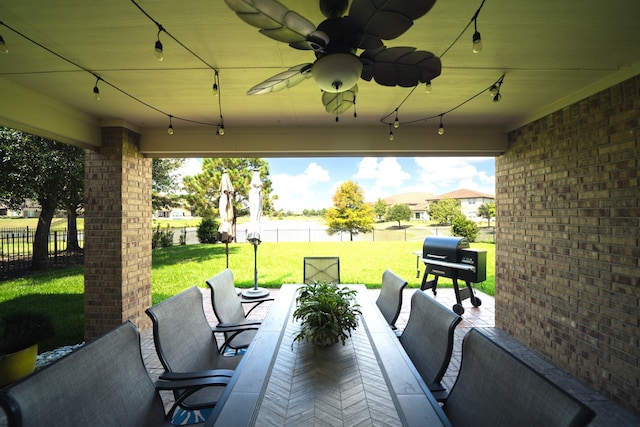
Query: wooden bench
104,383
494,388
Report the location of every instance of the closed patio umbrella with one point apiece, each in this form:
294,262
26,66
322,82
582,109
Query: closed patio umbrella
225,231
253,234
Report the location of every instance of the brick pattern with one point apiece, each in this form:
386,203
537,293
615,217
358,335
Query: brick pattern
568,240
118,233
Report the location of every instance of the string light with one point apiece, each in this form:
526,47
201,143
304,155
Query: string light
441,127
391,137
396,122
477,40
427,87
158,48
96,91
170,128
220,130
3,46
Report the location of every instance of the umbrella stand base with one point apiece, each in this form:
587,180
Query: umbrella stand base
255,293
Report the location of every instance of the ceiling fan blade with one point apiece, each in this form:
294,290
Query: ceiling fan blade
292,77
338,103
400,66
387,19
274,20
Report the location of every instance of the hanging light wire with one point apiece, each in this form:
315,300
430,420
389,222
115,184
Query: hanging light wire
122,91
428,90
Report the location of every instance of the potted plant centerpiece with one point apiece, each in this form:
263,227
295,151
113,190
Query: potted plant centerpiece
327,313
20,332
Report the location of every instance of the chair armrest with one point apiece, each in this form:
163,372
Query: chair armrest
257,302
174,376
196,383
236,327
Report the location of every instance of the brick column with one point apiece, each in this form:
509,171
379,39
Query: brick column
117,251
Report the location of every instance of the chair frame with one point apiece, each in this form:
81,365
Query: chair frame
233,322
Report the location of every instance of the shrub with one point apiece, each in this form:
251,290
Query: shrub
162,238
465,228
208,230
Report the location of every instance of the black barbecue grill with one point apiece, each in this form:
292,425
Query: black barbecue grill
453,258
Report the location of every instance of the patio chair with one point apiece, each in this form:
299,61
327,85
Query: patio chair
321,269
494,388
187,347
390,299
104,383
228,308
428,340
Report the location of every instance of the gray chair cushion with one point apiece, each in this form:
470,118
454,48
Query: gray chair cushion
428,337
185,341
104,383
494,388
390,299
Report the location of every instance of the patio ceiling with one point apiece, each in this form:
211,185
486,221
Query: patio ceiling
552,53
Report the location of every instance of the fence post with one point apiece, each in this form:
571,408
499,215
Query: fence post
55,246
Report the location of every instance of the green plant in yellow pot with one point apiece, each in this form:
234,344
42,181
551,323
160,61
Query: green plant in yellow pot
20,332
327,313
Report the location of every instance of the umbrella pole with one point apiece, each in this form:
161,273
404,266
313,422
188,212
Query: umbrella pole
255,292
255,267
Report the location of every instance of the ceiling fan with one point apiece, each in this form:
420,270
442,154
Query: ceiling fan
336,42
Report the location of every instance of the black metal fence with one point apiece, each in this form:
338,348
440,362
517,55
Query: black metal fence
16,249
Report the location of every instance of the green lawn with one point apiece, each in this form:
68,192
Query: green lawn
60,293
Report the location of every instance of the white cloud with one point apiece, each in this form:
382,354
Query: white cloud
387,174
298,192
191,167
438,175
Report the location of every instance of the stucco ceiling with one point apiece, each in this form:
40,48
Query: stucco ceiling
551,52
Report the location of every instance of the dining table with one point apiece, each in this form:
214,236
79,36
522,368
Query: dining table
369,380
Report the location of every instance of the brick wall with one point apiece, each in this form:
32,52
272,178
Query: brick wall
568,237
117,233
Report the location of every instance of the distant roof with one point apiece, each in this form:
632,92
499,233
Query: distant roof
463,193
413,198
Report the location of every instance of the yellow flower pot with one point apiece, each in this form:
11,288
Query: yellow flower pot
17,365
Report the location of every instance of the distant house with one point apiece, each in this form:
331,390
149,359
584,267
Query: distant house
417,202
470,201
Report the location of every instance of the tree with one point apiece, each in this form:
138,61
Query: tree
445,211
202,189
380,208
350,212
72,199
37,168
488,211
399,212
164,183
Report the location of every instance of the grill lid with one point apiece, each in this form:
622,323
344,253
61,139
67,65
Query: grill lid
443,248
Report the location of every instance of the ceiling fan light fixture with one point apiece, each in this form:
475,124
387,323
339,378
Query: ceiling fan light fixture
337,72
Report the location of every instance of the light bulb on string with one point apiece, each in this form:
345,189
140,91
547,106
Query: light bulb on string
396,122
497,97
427,87
391,137
158,48
215,88
477,40
96,90
220,130
3,46
170,128
441,127
493,90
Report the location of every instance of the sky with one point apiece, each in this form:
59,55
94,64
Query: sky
310,183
